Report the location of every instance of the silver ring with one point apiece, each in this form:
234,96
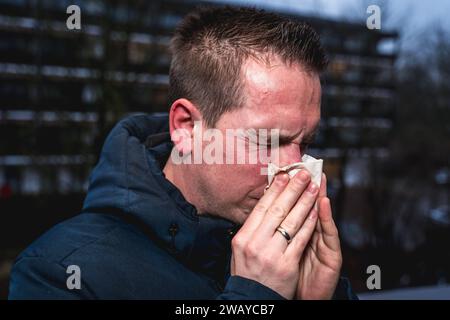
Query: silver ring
284,234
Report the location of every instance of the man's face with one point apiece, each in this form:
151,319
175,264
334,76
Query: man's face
276,97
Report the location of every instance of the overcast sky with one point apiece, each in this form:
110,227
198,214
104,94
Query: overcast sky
409,17
419,12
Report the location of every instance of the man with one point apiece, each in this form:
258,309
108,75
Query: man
153,227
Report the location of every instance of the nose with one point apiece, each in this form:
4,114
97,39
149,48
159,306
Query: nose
289,153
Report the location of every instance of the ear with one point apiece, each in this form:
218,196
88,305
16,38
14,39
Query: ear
182,118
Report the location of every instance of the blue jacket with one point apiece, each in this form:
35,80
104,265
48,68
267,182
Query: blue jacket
136,237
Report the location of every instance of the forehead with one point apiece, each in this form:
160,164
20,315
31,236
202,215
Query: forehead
277,95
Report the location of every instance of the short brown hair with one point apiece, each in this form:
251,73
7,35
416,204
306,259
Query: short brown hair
211,43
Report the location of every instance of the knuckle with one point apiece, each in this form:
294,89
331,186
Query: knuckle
277,212
336,233
308,198
251,251
259,208
238,242
297,184
298,187
267,261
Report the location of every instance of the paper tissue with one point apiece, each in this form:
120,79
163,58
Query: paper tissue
314,166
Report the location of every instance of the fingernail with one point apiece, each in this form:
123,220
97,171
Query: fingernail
312,187
282,178
304,176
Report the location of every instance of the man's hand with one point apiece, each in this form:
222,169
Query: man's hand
321,262
263,254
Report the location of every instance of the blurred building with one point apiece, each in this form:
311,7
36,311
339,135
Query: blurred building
61,90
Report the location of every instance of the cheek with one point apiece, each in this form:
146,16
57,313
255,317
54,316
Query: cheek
246,176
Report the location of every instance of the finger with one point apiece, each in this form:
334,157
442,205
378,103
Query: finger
323,186
298,244
296,216
258,213
328,227
322,193
281,207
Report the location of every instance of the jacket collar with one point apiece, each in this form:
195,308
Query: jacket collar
129,177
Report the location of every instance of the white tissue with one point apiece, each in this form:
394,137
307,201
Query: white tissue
314,166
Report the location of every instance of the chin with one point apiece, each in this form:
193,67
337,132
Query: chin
240,214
